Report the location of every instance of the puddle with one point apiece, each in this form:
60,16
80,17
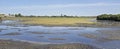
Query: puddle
31,33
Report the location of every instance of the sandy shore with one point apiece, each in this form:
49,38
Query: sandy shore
9,44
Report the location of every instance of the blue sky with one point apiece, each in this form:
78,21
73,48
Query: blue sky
58,7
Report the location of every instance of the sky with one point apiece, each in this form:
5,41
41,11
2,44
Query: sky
58,7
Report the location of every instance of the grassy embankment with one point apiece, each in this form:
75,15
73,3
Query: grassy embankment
52,21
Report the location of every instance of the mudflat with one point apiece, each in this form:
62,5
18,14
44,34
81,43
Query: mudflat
104,35
9,44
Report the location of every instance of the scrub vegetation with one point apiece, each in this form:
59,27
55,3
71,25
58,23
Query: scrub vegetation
109,17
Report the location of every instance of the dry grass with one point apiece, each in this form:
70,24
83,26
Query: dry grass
52,21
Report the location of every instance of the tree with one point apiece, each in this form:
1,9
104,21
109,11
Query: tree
18,15
109,17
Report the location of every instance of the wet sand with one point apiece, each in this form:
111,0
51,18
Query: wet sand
111,34
104,35
9,44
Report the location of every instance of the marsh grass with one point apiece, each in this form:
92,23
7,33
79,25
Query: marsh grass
62,21
51,21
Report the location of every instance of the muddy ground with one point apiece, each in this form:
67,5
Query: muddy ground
9,44
104,35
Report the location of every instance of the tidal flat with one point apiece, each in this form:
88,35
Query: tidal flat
9,44
86,34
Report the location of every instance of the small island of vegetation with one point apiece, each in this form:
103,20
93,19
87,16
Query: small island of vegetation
109,17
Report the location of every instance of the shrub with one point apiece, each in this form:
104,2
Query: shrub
109,17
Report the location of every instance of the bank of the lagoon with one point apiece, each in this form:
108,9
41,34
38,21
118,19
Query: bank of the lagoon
52,21
9,44
62,21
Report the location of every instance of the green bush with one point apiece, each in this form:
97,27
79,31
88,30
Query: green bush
109,17
18,15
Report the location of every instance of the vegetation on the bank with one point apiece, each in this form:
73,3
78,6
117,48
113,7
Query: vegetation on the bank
51,20
109,17
60,16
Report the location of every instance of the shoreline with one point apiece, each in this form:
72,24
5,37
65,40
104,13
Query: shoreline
78,25
100,25
10,44
53,22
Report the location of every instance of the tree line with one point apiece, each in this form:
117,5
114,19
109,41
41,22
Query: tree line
113,17
20,15
109,17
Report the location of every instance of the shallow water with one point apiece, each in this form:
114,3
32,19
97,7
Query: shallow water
33,33
44,34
